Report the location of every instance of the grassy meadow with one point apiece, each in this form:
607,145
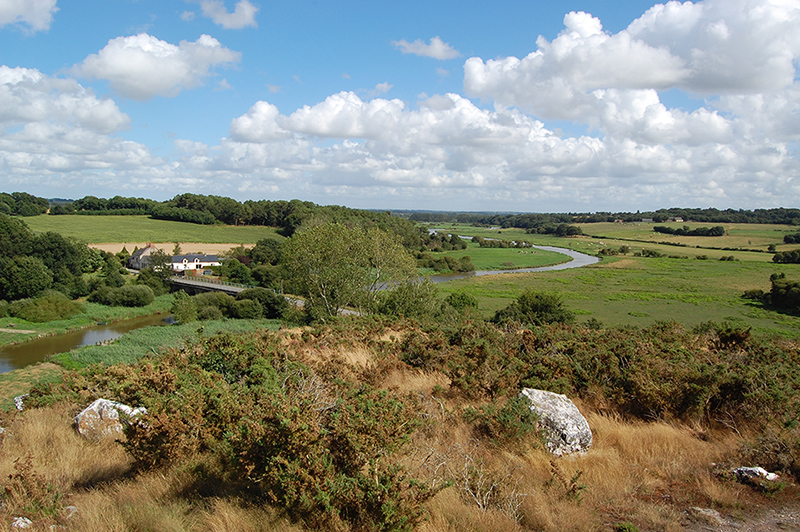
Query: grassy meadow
637,291
103,229
506,259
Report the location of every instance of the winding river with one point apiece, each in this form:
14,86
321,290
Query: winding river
21,355
577,260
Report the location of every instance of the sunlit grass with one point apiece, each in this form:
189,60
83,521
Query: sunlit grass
99,229
135,344
639,291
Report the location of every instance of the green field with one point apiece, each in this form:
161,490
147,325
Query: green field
641,236
107,229
506,259
639,291
742,236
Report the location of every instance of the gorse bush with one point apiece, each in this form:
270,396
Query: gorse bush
243,413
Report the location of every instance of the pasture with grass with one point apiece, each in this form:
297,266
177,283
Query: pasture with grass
109,229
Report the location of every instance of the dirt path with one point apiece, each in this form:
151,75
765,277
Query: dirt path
785,518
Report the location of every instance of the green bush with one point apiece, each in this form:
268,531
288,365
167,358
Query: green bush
184,308
133,296
512,423
3,308
220,300
411,299
535,308
462,301
272,304
209,313
50,306
247,309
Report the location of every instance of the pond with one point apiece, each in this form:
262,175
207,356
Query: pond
21,355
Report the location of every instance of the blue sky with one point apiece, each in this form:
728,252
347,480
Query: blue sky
521,106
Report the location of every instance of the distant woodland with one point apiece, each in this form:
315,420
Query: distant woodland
289,215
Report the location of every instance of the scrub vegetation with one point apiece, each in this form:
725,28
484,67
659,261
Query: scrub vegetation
376,400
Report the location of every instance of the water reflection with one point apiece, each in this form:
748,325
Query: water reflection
18,356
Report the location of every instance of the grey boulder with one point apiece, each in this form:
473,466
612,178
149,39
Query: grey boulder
565,429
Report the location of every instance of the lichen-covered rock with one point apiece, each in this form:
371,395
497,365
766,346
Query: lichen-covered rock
565,429
101,419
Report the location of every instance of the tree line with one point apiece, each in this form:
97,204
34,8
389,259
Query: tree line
536,220
717,230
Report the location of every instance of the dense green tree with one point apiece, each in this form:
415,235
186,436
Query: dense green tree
335,266
416,299
266,251
184,308
236,272
15,236
23,277
272,304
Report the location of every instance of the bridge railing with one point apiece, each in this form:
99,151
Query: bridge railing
213,281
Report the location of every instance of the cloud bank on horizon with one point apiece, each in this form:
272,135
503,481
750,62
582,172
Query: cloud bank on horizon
690,104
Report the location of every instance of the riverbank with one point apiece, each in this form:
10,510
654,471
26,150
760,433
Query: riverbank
16,331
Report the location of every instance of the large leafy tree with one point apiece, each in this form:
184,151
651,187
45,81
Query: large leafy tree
22,277
335,266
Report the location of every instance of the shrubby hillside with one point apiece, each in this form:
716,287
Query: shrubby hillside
370,424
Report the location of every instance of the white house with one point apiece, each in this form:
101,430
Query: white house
193,261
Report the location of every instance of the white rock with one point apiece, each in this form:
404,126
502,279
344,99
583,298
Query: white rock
21,522
565,429
101,419
751,474
19,401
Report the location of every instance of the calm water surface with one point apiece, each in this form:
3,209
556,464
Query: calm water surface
21,355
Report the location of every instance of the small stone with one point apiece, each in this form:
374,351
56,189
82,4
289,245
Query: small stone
21,522
19,401
752,475
705,515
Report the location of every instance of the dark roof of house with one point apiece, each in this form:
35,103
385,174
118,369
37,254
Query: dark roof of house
190,257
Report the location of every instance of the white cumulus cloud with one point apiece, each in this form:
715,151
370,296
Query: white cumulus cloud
141,66
36,15
437,49
28,96
244,14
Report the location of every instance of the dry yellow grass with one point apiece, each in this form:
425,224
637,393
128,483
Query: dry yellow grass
643,473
